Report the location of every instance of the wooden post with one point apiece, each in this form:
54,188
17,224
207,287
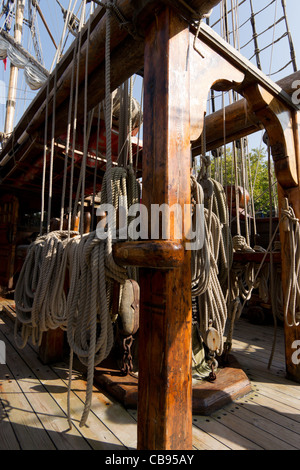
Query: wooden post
165,383
282,126
291,333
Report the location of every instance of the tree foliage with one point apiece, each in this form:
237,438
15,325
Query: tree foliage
250,170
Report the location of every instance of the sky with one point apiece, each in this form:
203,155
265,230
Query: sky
279,52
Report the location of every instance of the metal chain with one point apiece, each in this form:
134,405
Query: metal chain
127,356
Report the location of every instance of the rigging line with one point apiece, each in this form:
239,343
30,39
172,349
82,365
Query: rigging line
67,149
8,16
274,30
81,185
75,113
292,49
282,68
140,122
237,21
44,161
58,50
271,259
237,196
225,20
254,37
37,7
96,165
264,8
218,21
251,190
74,124
227,247
50,191
234,25
33,30
269,45
108,104
263,32
86,138
130,121
246,187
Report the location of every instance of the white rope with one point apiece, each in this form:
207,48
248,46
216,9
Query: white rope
205,282
292,297
39,297
89,327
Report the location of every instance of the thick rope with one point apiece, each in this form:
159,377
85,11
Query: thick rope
292,298
39,297
205,282
89,327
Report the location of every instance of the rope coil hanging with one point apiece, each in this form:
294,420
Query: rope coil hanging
39,296
292,300
206,286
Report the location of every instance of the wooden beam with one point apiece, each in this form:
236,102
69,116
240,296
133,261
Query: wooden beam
23,52
252,74
291,334
239,120
165,382
282,126
138,13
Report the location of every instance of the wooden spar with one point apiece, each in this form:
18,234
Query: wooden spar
127,58
138,13
239,120
37,6
165,382
24,52
165,378
14,71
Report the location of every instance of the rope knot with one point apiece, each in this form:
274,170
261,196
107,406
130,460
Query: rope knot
240,244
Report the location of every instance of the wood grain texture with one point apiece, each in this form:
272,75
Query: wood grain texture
151,254
165,386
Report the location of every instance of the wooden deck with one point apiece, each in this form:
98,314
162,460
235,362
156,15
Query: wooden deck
33,404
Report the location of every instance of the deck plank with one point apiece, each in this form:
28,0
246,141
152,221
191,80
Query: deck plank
224,434
96,433
33,405
108,410
275,411
27,427
51,416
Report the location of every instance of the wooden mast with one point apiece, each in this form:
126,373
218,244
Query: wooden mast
14,71
165,382
165,328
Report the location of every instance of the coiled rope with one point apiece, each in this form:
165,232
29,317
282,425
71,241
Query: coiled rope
292,297
205,282
89,326
40,300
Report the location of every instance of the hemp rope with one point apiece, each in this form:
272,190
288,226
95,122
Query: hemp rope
205,283
40,300
292,300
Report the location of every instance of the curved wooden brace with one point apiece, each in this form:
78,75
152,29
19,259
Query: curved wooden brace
207,69
281,125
